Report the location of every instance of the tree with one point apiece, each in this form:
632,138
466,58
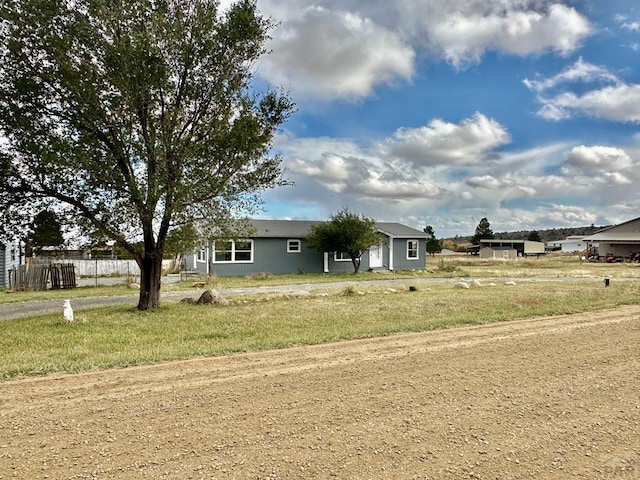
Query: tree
534,236
483,230
433,244
46,232
345,232
135,117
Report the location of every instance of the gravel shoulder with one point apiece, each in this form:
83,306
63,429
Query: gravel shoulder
547,398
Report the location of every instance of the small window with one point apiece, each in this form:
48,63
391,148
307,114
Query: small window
202,255
412,249
294,246
13,254
341,257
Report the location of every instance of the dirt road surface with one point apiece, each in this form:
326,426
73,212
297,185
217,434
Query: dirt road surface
550,398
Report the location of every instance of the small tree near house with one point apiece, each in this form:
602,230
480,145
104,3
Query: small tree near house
345,232
433,244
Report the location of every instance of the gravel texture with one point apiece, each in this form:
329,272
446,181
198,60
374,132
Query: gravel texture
549,398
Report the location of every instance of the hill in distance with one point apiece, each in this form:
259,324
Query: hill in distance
549,235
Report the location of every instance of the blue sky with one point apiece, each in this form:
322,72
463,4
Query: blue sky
441,112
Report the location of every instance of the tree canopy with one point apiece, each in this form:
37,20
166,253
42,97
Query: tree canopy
45,232
534,236
346,232
135,117
433,244
483,231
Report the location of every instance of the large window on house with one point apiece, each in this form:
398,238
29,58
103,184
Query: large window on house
341,257
294,246
412,249
233,251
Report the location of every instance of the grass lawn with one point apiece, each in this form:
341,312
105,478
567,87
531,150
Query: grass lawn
122,336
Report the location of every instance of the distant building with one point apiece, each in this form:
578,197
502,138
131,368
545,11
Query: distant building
571,244
509,249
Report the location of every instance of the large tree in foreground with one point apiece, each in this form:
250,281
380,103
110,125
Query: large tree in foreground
136,116
346,232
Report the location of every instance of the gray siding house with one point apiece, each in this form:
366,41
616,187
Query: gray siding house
280,246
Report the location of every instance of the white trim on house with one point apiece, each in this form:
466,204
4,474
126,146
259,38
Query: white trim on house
294,249
231,254
341,257
413,248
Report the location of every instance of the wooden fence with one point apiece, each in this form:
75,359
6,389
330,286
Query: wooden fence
36,277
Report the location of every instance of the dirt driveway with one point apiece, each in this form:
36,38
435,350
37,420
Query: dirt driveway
551,398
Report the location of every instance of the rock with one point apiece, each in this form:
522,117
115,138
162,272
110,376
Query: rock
463,285
135,286
298,294
509,282
212,297
475,283
187,300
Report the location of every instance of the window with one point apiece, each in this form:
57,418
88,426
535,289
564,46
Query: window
412,249
234,251
341,257
294,246
202,255
13,254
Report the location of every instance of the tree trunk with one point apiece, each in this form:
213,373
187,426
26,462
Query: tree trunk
150,279
356,264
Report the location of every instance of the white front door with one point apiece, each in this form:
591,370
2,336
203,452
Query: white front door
375,256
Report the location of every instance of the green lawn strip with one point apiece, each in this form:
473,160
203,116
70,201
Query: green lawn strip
122,336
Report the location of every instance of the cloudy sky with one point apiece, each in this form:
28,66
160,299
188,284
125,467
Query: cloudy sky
441,112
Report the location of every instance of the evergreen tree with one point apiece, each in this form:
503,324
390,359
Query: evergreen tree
483,232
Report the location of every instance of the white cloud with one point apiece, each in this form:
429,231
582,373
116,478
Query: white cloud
626,24
334,49
598,158
468,29
442,142
579,71
616,101
336,54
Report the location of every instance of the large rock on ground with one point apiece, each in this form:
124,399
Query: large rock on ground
212,297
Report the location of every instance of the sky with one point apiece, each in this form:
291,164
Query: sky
442,112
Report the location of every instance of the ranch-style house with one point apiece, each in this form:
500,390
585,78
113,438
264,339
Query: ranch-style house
280,246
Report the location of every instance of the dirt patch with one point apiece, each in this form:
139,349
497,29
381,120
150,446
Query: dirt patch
547,398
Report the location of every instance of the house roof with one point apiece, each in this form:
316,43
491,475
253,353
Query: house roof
300,228
613,237
282,228
626,232
399,230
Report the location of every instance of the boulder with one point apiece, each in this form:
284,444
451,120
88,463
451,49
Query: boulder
212,297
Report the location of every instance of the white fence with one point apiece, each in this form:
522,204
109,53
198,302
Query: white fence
105,266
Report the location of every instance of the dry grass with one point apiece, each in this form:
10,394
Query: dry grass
121,336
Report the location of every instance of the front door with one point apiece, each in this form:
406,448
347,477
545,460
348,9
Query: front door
375,256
